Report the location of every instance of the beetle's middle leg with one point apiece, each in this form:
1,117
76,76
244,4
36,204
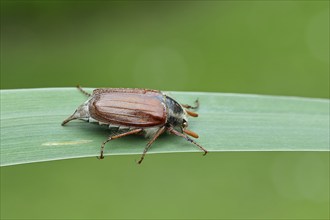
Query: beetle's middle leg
158,133
115,137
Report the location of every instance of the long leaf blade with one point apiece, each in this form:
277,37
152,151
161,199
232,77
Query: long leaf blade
31,130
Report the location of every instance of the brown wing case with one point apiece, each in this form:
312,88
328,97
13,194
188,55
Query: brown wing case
128,107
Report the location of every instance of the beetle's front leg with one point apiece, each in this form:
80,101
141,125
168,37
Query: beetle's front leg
191,107
135,131
175,132
193,114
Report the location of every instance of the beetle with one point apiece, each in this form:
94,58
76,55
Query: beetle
136,111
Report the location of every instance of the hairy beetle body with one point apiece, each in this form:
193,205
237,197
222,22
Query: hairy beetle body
145,111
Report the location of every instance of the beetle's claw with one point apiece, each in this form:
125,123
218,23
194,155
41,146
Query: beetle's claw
138,161
100,157
205,152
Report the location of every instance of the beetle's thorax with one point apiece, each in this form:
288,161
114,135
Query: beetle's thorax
175,113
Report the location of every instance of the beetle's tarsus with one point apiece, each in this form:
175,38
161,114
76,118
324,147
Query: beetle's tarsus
139,161
196,104
102,148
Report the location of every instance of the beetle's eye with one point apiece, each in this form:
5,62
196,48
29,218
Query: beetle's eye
185,124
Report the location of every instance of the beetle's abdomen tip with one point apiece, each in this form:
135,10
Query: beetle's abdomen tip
65,122
72,117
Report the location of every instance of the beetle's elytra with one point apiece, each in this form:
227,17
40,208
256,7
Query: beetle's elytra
136,111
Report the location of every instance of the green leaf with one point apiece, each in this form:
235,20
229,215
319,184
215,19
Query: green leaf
31,128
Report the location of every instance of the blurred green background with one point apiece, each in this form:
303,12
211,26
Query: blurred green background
262,47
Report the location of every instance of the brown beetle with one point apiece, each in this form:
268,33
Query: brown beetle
136,111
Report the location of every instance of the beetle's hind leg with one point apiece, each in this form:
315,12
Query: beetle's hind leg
83,91
135,131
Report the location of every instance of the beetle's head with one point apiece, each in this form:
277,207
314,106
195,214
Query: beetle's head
177,117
